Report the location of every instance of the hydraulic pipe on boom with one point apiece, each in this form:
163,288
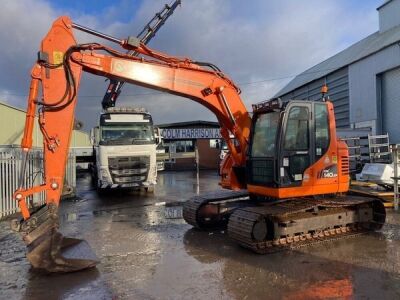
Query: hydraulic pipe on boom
147,33
58,70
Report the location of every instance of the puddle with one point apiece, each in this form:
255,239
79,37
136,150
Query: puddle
148,252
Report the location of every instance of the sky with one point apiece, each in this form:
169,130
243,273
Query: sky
260,44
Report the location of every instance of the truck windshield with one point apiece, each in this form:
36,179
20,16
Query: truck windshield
264,136
127,134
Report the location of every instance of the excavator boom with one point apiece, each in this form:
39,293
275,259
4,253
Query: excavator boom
57,73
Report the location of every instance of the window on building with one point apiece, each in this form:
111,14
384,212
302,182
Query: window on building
183,146
180,146
215,144
189,146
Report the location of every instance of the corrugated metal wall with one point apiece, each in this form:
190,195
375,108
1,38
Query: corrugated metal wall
12,123
338,84
364,88
389,15
390,103
80,139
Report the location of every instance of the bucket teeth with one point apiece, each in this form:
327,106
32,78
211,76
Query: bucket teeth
49,250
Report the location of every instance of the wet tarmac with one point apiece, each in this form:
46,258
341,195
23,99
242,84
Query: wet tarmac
147,256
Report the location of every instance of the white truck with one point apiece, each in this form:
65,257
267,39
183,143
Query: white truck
124,147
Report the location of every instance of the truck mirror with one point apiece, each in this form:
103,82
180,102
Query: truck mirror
158,136
94,135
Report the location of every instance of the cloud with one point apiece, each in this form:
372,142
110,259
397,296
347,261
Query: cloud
250,41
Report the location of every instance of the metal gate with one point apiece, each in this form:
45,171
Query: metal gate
10,164
391,104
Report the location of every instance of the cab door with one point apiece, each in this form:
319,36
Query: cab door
296,154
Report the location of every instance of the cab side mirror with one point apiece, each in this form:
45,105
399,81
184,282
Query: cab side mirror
94,136
157,135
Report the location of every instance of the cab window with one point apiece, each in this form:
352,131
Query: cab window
296,136
321,129
266,126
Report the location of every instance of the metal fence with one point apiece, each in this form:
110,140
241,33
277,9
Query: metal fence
10,164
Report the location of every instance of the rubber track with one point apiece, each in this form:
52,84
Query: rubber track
241,224
192,205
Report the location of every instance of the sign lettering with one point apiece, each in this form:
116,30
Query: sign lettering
190,133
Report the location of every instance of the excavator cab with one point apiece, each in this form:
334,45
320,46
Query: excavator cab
293,150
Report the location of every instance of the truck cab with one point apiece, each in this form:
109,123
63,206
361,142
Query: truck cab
125,145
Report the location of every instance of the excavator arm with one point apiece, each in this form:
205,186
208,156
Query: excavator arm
57,74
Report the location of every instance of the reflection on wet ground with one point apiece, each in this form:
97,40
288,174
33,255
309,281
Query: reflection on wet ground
146,256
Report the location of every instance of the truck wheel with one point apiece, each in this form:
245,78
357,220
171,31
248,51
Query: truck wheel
100,192
149,189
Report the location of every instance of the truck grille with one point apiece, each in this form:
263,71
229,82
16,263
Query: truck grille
129,169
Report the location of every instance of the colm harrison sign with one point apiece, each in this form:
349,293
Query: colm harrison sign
190,133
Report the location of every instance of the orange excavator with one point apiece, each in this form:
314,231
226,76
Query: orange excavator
286,173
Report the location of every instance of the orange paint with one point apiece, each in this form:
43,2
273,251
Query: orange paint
331,289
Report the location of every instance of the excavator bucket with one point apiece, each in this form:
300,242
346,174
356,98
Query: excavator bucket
59,254
49,250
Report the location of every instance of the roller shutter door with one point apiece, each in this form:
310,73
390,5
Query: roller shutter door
391,104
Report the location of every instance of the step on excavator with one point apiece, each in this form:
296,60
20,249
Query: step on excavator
286,173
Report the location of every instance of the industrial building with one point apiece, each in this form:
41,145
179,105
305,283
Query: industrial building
182,139
363,80
13,119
